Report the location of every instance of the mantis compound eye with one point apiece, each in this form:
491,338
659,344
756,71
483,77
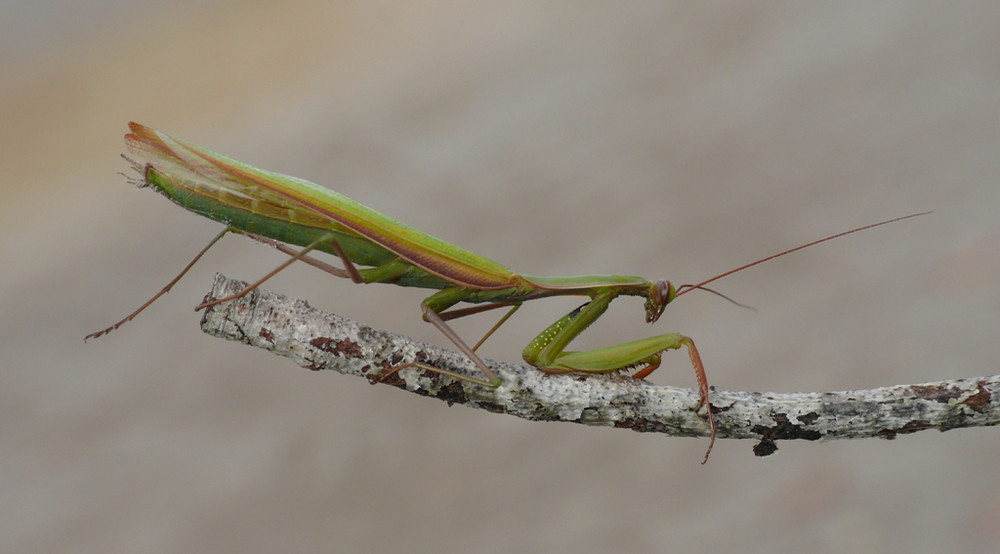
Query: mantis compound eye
660,294
665,292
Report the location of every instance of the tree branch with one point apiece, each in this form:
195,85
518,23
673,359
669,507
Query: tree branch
318,340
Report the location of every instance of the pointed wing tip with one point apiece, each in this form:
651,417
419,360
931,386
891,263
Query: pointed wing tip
140,130
136,143
145,142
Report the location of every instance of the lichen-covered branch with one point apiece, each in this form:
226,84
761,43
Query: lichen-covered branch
318,340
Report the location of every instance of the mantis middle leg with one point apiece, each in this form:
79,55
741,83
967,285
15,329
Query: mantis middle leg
435,312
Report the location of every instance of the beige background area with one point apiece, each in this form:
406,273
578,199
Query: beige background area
665,139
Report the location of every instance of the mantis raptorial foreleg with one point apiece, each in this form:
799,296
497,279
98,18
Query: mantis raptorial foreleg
547,351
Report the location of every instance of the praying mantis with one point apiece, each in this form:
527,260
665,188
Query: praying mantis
280,210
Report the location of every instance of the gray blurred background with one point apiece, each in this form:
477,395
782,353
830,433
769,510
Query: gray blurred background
666,139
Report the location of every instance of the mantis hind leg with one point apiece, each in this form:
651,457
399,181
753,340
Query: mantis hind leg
383,273
350,271
165,289
388,273
299,255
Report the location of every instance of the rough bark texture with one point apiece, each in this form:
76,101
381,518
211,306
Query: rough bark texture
318,340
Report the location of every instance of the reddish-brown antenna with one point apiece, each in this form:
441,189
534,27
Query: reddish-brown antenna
688,288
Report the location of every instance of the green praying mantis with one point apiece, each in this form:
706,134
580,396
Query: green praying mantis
279,210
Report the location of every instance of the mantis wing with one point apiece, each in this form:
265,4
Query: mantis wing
235,183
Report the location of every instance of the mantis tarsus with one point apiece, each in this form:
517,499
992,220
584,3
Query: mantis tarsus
276,209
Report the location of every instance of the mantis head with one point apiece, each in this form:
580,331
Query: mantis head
660,294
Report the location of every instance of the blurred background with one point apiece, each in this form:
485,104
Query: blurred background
664,139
